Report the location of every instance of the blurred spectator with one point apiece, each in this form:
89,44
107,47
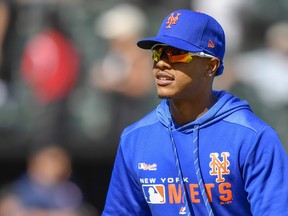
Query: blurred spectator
124,71
45,190
258,17
262,78
50,65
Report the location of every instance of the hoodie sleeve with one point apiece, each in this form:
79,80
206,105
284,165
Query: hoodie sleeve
266,175
124,195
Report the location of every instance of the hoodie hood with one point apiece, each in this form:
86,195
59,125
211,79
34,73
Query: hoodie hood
225,106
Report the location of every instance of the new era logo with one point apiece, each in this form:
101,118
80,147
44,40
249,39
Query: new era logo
211,44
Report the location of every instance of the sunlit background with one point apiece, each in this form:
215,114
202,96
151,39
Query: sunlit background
72,76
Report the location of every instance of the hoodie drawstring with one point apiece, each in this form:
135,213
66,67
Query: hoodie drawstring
187,201
198,170
188,205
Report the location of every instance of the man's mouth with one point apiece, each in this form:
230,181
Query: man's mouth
164,78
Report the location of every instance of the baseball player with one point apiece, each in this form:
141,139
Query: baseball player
201,151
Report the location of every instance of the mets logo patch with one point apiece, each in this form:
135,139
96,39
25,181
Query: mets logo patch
219,168
154,193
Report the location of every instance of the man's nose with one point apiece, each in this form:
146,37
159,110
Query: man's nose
163,63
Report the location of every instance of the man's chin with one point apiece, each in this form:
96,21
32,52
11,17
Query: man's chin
164,93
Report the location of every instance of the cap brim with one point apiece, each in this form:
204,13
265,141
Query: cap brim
148,43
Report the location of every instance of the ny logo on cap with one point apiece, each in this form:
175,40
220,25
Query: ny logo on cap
172,20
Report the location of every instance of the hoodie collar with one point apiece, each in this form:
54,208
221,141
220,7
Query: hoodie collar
225,105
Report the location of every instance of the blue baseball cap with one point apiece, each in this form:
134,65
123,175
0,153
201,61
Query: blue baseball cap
190,31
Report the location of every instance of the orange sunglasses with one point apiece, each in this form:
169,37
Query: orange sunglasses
175,55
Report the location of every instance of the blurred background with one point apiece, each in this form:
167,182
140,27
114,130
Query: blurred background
72,77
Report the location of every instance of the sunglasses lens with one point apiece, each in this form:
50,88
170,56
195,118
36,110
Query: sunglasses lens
173,55
156,54
184,58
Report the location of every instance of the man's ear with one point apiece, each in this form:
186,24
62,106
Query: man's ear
213,64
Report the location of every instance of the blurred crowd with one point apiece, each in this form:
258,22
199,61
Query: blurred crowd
45,189
72,77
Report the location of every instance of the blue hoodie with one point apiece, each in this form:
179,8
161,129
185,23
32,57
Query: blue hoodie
238,159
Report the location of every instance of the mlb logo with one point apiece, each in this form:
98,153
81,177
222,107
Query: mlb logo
154,194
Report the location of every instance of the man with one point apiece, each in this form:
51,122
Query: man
203,151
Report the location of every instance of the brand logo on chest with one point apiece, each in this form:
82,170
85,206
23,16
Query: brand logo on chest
144,166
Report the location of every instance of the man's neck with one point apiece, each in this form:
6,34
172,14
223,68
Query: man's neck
187,111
